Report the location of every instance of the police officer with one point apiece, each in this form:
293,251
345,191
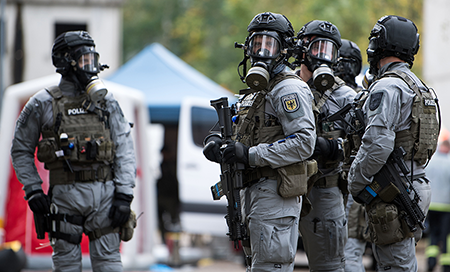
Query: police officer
275,135
347,68
398,102
349,64
87,147
324,229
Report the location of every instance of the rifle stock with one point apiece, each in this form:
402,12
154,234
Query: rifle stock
231,178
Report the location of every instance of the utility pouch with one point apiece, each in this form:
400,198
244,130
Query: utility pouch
293,179
384,223
356,221
389,193
46,150
105,150
127,230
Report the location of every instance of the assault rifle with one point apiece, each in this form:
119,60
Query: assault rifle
388,184
231,178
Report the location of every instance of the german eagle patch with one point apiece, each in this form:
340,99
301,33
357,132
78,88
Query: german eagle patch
290,102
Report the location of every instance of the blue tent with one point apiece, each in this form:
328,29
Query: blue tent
165,80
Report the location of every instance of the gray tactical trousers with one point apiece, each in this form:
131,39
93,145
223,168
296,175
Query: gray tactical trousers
93,201
401,256
272,222
324,230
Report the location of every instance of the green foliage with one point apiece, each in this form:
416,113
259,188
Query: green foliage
203,32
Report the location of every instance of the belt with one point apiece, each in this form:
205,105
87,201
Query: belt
258,173
327,182
59,176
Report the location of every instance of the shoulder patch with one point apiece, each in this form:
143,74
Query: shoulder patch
375,100
290,102
24,115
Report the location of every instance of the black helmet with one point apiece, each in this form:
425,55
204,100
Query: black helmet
73,53
271,22
323,29
267,44
64,45
318,34
392,36
275,27
349,63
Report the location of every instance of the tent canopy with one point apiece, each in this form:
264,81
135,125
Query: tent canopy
166,80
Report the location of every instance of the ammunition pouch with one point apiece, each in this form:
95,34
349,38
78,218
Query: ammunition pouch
78,149
46,150
293,179
385,224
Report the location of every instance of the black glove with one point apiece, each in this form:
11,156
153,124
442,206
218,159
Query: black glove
235,152
39,202
211,148
120,210
328,148
358,200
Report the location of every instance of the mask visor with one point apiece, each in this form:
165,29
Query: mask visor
89,62
324,50
263,46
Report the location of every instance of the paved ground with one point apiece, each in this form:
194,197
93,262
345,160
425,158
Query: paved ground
234,264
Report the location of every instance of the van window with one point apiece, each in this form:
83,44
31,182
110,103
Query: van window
203,120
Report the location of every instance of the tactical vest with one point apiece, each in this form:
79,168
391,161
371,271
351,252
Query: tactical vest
79,137
326,129
420,140
251,127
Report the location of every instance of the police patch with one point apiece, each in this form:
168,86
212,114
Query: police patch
290,102
375,100
24,115
76,111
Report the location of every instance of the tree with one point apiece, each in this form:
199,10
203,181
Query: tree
203,32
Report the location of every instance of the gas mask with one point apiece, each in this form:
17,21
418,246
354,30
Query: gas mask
265,54
320,55
86,69
96,89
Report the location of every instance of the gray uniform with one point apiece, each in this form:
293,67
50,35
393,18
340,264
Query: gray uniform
355,247
92,200
324,229
272,220
388,110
